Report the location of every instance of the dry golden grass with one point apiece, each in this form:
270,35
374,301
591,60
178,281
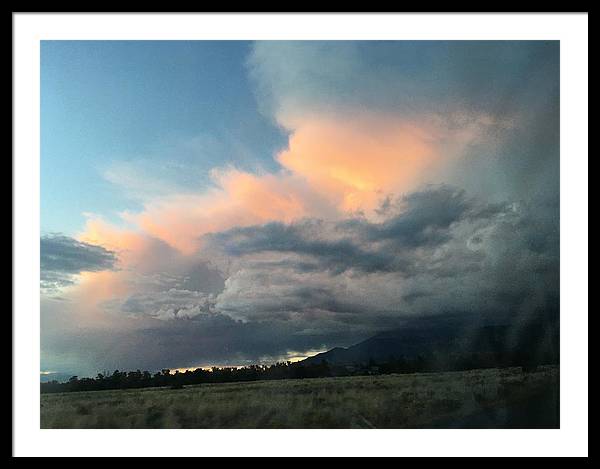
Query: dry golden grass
477,398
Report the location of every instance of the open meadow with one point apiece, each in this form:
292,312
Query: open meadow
488,398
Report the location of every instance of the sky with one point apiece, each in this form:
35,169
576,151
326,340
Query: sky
227,202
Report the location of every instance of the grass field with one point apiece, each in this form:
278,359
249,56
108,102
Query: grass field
491,398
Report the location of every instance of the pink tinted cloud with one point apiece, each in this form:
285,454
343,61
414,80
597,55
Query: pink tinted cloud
333,167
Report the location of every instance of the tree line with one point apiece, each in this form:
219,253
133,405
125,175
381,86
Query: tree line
281,370
145,379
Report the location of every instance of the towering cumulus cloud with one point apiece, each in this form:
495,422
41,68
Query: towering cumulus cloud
419,179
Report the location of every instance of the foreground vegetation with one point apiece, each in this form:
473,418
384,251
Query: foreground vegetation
484,398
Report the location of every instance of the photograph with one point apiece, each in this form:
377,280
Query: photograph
291,231
299,234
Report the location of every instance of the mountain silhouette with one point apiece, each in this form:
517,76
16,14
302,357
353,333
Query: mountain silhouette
446,346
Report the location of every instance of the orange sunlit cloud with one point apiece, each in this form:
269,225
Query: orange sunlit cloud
241,199
331,168
127,243
354,162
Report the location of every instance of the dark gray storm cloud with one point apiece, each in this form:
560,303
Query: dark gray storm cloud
60,253
152,344
62,257
422,219
437,252
304,238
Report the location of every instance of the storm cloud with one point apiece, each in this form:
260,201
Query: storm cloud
438,252
421,220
